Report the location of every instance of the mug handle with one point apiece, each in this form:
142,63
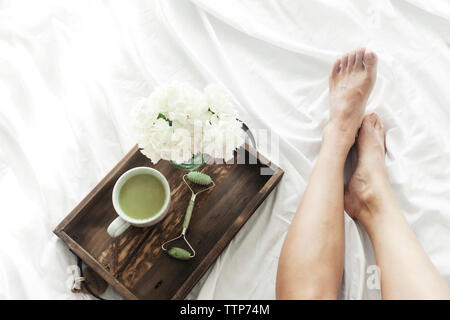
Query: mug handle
117,227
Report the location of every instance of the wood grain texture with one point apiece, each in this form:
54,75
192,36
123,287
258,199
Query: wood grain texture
134,263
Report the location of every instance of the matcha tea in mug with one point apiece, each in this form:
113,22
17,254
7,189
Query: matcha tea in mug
141,198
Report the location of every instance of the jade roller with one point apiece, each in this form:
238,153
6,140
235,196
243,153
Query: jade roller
197,178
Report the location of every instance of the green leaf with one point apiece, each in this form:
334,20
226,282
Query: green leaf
161,116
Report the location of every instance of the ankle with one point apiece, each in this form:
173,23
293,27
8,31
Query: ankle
382,209
377,224
338,135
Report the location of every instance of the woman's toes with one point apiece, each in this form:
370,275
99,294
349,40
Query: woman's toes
368,122
359,65
372,132
376,121
372,118
344,62
379,124
367,126
351,60
336,68
370,61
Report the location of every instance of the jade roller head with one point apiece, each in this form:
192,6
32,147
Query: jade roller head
199,179
179,253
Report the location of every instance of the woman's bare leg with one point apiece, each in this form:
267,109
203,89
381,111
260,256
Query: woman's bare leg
406,271
312,257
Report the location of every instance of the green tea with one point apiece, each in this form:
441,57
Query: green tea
142,196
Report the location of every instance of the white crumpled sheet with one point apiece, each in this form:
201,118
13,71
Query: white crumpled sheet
71,70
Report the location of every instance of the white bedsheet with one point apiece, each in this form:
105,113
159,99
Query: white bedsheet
71,70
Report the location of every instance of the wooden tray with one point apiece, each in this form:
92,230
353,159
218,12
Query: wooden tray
134,263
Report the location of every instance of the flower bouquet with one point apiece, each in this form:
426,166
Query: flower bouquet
182,124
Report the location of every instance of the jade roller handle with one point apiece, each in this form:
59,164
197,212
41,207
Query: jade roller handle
187,216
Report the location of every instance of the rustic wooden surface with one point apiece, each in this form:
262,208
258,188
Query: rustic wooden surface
134,263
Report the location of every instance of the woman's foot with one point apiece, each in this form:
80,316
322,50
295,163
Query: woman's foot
351,81
369,183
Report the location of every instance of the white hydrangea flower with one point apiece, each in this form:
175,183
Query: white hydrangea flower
178,121
222,137
219,100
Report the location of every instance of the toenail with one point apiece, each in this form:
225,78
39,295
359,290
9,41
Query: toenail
369,55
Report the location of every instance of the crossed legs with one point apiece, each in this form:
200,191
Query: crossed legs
312,258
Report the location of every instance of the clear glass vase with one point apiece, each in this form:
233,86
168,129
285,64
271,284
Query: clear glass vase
196,162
